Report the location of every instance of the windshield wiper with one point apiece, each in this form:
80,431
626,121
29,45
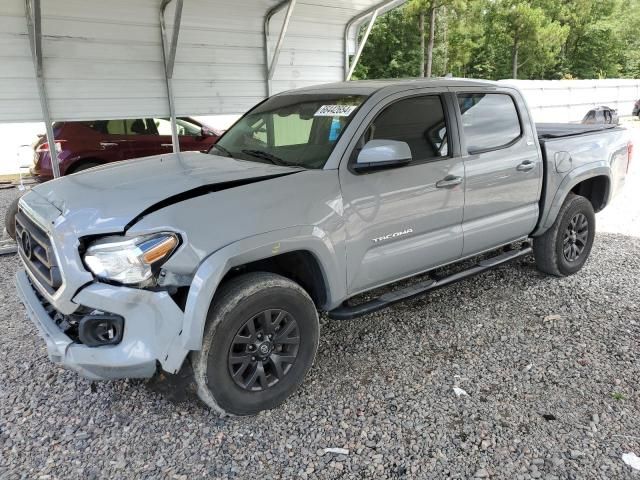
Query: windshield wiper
220,148
266,156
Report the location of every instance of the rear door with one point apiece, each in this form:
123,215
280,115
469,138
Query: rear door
503,166
404,220
113,141
143,139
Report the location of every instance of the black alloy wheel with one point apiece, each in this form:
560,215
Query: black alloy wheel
575,237
564,248
259,343
263,350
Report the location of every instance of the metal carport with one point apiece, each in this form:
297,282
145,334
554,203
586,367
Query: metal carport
90,59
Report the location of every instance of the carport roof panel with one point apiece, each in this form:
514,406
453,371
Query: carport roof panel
104,59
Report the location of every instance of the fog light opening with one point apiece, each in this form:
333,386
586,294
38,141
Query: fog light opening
100,329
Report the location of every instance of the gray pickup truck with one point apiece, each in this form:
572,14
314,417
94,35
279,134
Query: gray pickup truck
220,263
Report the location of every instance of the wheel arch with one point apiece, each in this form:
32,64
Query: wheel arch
76,164
594,181
268,252
596,189
301,266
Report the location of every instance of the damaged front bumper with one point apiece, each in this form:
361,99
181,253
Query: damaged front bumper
152,329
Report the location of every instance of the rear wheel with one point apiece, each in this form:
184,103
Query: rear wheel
259,342
10,218
564,248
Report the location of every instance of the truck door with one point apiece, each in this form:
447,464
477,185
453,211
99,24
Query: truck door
503,168
404,220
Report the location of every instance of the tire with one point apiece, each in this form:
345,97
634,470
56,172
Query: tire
240,303
10,218
553,250
84,166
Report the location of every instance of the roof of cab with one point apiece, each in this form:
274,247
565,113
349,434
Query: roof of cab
368,87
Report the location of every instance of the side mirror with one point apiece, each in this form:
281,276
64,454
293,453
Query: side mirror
205,132
377,154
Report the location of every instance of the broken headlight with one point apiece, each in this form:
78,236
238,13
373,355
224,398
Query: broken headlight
131,261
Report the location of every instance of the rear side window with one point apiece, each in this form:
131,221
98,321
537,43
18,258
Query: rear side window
418,121
140,126
489,120
115,127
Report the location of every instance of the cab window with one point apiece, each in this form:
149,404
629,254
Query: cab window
489,120
419,121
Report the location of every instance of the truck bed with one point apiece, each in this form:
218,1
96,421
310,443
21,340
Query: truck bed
568,148
558,130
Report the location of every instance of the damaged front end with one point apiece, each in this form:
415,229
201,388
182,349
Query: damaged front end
99,329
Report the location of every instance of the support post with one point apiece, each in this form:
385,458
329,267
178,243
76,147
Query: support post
357,20
361,45
169,59
34,27
271,62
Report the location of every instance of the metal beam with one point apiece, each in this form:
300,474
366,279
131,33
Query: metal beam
169,60
271,62
358,19
34,27
361,45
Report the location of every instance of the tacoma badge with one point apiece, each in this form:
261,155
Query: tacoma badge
393,235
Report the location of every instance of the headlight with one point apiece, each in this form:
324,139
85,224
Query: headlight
130,260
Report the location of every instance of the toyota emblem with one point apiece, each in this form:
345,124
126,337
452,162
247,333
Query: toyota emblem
25,241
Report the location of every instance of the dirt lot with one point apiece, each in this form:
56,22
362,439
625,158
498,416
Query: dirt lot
550,368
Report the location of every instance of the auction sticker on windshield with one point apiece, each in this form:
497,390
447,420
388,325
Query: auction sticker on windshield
335,110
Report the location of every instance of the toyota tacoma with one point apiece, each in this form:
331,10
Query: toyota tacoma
221,265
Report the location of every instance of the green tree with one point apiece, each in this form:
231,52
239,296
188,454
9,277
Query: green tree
428,9
533,39
506,39
393,48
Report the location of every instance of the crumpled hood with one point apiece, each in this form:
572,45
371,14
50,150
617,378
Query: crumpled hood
107,199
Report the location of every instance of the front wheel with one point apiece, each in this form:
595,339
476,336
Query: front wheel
260,340
564,248
10,218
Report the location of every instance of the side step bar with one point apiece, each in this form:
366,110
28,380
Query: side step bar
348,312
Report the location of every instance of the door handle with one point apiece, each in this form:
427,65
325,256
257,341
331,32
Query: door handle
108,144
449,181
526,166
166,144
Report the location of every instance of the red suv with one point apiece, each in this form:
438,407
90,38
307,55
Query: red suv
83,145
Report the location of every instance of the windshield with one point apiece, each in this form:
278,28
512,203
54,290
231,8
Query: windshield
292,130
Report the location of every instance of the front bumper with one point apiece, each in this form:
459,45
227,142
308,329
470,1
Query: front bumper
153,324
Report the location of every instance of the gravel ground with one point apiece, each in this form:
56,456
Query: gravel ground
550,367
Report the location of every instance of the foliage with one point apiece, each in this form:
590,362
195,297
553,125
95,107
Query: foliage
545,39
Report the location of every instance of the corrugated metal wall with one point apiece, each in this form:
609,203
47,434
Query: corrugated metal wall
103,59
570,100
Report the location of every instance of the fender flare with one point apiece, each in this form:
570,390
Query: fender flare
213,269
579,175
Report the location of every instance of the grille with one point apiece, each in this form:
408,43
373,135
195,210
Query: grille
37,253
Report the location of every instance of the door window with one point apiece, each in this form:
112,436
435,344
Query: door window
185,127
489,120
418,121
115,127
140,126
